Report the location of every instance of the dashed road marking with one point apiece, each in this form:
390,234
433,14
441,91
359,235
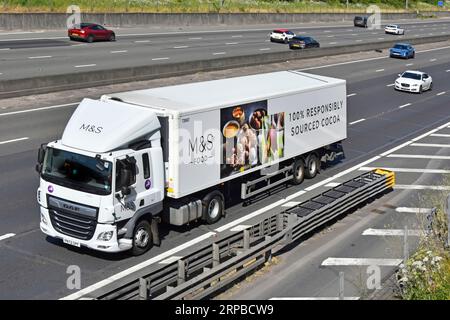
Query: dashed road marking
391,232
6,236
431,145
357,121
85,65
409,170
404,106
361,262
412,210
351,95
419,156
40,57
420,187
14,140
162,58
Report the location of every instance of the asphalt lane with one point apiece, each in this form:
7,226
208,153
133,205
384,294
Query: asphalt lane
41,264
27,55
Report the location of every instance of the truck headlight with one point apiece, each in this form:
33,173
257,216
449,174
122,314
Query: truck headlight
105,236
43,219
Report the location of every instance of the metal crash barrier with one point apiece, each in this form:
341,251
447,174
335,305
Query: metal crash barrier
215,266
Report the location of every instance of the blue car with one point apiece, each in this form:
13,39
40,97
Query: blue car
402,50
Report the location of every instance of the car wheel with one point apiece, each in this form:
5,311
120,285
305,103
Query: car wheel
298,172
90,39
413,55
420,89
286,40
213,207
142,238
431,87
112,37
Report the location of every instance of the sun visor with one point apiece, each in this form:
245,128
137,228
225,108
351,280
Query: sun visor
102,126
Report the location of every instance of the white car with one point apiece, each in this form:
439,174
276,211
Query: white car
281,35
394,29
414,81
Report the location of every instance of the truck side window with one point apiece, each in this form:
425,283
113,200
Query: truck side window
146,164
119,167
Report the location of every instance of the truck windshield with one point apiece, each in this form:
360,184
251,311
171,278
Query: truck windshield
76,171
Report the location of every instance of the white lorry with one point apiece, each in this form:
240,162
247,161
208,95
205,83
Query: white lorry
130,160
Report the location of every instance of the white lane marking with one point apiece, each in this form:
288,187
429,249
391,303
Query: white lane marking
14,140
391,232
380,38
379,70
85,65
326,31
142,41
264,49
359,40
390,85
432,145
433,60
409,64
409,170
374,33
21,32
170,260
79,45
38,109
237,36
314,298
420,187
240,228
290,204
137,267
333,42
181,47
332,184
357,121
447,70
351,95
119,51
419,156
404,106
361,262
441,93
163,58
442,135
330,36
294,195
196,38
40,57
412,210
231,43
217,53
6,236
5,49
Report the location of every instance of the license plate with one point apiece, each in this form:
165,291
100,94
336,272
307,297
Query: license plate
72,243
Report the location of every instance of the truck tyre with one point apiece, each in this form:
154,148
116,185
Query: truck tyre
298,172
312,166
213,207
142,238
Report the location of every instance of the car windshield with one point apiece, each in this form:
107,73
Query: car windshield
81,26
392,26
411,75
400,46
76,171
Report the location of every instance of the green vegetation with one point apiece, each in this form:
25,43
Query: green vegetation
426,275
233,6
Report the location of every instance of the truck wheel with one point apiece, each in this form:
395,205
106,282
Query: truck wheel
213,207
299,172
312,166
142,238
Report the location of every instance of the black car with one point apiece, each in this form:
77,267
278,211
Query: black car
360,22
299,42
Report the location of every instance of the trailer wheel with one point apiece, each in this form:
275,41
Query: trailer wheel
312,166
298,171
213,207
142,238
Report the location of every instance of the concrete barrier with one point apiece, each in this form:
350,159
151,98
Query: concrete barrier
51,21
52,83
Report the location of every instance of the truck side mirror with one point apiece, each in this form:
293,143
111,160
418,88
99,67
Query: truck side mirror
38,168
41,154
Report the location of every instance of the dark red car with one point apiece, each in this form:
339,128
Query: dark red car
91,32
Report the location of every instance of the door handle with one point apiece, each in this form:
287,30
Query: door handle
141,203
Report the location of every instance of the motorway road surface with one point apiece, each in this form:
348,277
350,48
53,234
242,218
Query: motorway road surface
34,267
25,54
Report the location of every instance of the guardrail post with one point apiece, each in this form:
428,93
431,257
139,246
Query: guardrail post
447,209
143,289
246,239
268,253
215,254
341,285
405,246
181,272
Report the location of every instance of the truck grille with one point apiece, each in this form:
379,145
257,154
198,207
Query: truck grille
65,221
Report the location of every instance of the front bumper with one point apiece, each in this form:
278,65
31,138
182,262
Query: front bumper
277,40
398,55
407,89
113,245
